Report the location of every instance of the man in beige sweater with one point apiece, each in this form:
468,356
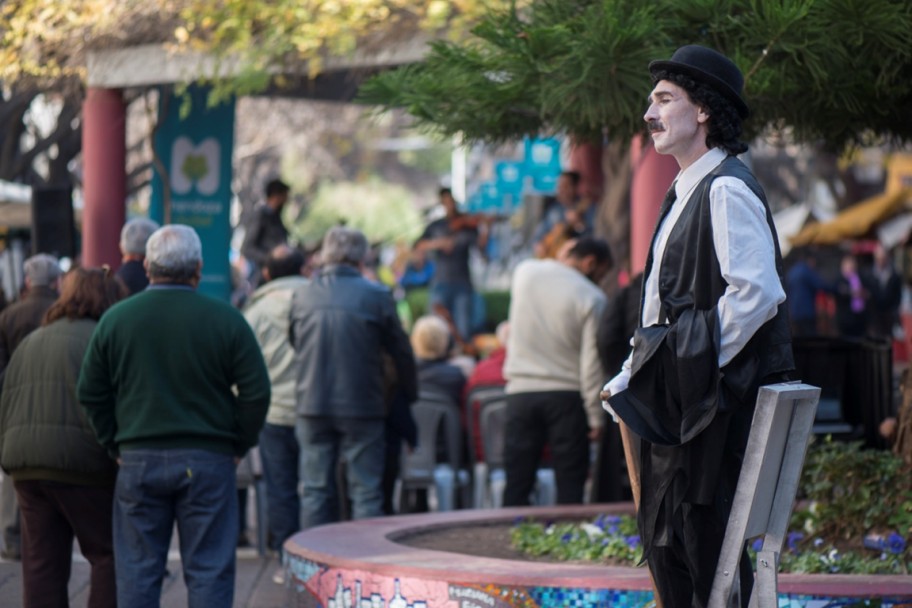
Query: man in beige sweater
553,370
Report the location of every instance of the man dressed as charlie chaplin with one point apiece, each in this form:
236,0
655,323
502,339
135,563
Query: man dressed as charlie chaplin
713,326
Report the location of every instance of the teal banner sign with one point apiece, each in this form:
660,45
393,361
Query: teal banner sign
543,163
195,151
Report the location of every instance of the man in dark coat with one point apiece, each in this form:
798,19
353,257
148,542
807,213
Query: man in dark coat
713,326
42,277
265,230
885,285
133,237
341,326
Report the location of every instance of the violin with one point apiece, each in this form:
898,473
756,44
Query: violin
471,221
563,231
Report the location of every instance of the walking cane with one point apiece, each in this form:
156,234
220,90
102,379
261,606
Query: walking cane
631,456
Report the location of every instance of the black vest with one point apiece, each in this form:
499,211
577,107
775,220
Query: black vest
690,277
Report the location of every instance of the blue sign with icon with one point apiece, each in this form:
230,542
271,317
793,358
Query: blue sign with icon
195,151
543,163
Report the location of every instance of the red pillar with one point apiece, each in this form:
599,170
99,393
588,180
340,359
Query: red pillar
652,175
104,152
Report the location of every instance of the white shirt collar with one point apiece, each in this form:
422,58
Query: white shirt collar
691,176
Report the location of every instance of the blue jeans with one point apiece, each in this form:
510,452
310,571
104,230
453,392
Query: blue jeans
281,455
458,299
195,488
361,442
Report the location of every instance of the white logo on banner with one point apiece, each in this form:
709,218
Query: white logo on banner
542,154
195,164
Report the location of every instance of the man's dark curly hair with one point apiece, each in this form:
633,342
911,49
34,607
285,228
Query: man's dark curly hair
724,121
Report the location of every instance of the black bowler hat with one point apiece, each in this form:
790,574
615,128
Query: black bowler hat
710,67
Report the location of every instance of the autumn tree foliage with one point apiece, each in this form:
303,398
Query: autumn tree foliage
44,46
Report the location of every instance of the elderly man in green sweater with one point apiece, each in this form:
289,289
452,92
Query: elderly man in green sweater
175,387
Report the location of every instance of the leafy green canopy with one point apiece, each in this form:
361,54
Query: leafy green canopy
833,71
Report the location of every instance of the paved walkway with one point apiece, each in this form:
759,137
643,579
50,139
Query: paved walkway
254,587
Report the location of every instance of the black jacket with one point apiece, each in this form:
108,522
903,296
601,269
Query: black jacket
22,318
265,230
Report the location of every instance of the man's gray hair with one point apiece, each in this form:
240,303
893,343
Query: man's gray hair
135,233
42,270
173,253
343,245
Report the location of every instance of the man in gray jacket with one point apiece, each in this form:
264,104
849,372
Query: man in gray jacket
341,324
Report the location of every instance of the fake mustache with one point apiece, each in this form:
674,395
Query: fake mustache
654,125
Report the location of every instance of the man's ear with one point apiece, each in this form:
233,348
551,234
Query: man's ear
589,264
702,114
198,276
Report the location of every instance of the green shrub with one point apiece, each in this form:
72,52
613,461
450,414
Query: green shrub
497,308
496,305
850,491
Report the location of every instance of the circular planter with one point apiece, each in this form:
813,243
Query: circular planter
360,564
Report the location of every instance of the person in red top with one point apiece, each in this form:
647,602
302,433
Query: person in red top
488,372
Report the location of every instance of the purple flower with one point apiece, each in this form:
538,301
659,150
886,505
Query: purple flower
566,538
633,541
613,519
758,544
792,541
818,542
612,529
600,522
896,543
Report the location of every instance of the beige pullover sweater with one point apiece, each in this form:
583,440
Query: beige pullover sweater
554,313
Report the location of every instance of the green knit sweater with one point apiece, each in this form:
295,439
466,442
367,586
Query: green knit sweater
171,368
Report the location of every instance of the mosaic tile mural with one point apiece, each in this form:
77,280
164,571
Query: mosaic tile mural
317,586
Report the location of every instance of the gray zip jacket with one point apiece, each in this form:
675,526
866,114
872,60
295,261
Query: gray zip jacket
341,324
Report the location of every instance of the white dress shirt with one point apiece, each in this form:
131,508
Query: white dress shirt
744,247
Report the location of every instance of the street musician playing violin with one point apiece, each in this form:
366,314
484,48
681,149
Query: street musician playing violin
571,217
449,240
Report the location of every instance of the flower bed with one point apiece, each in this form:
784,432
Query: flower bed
855,518
612,540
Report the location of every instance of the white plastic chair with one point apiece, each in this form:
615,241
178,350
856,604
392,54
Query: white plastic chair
420,469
